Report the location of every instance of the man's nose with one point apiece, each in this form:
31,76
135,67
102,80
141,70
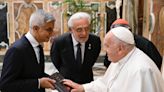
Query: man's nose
51,33
84,32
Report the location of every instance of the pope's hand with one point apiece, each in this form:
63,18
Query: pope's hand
75,87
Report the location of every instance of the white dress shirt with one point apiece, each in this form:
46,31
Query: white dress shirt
75,47
34,44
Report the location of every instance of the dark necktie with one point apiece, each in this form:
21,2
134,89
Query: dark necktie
41,54
78,55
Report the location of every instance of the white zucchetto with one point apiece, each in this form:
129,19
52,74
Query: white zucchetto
123,34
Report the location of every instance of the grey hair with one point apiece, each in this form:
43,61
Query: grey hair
40,17
78,15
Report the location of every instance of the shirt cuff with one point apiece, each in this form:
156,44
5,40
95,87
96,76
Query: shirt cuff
38,83
85,86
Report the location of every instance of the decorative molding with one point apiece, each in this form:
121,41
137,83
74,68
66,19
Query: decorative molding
2,5
118,4
3,44
57,8
151,20
23,5
105,22
8,25
161,19
98,25
152,17
110,5
92,6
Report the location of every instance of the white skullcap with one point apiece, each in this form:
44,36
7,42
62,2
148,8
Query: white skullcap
123,34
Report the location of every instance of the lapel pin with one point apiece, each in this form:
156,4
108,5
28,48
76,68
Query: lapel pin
89,47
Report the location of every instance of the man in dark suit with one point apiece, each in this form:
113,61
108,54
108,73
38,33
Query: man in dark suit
64,50
23,65
142,43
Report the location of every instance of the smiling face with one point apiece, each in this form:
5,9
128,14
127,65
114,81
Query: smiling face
43,33
81,29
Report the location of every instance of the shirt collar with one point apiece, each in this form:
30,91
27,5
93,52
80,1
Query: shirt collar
75,42
126,58
32,40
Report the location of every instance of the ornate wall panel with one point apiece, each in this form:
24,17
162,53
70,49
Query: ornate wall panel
62,13
111,13
19,11
22,12
158,33
161,27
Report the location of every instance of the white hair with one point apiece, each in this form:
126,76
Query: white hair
78,15
40,17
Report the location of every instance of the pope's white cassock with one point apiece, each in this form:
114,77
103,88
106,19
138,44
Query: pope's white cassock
136,72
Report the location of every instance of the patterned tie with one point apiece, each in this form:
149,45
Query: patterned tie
78,55
41,54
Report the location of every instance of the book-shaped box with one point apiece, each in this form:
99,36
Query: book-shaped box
59,82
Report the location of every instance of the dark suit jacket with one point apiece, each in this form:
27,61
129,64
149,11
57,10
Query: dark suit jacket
21,70
147,47
62,55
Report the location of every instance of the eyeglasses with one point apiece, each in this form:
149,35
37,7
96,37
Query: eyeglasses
80,29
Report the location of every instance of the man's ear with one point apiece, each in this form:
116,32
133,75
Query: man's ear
70,29
35,28
121,48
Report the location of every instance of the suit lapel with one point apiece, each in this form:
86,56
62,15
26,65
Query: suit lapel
32,56
69,49
87,50
30,50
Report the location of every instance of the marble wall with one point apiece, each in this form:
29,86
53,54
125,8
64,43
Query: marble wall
19,11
